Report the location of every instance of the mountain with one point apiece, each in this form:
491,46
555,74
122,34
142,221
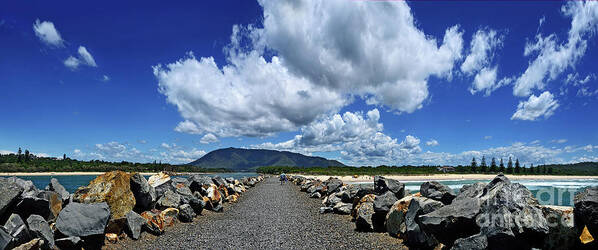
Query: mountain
239,159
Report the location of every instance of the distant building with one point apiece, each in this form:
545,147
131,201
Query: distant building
446,169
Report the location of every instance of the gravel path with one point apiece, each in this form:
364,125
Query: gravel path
267,216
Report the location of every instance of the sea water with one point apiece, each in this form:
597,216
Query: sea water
548,192
72,182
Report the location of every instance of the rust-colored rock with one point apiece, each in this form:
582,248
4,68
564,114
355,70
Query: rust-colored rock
169,216
364,199
223,190
214,194
113,188
585,236
31,245
112,237
233,198
154,222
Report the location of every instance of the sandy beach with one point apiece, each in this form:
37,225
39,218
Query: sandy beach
444,177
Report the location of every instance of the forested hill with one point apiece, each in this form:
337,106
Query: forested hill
249,159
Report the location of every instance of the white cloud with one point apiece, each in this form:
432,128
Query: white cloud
327,52
432,143
142,141
72,63
358,137
559,141
483,44
105,78
485,80
209,138
535,107
552,57
47,33
115,151
488,137
6,152
86,57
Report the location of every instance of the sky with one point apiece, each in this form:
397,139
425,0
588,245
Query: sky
362,82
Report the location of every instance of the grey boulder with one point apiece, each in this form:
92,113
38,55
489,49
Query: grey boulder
474,242
169,199
134,224
186,213
79,219
383,185
382,203
145,194
586,210
218,181
55,186
342,208
17,228
437,191
8,196
416,235
6,240
39,228
333,185
72,242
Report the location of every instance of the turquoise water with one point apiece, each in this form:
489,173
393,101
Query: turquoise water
548,192
72,182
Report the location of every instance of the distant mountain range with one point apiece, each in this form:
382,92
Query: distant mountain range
239,159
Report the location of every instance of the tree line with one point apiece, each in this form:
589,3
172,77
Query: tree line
517,169
25,161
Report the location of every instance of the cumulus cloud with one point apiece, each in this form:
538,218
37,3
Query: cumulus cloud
116,152
535,107
208,138
488,137
432,143
357,136
84,58
326,53
559,141
47,33
552,57
483,45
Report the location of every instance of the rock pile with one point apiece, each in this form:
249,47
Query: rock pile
112,206
497,215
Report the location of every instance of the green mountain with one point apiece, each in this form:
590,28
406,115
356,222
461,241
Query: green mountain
239,159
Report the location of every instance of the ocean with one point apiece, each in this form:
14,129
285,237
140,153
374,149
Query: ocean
72,182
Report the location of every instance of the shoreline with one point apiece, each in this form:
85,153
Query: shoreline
451,177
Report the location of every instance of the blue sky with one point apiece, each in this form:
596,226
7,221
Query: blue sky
364,82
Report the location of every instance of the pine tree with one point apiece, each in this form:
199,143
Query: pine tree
550,170
531,168
26,154
64,156
510,166
544,170
474,164
19,155
502,166
517,167
493,165
483,167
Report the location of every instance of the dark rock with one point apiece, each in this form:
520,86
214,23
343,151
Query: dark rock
342,208
8,196
332,200
78,219
363,212
169,199
198,204
17,228
383,202
46,204
230,180
55,186
134,224
395,218
218,181
562,233
28,187
333,185
72,242
437,191
39,228
416,236
315,195
145,194
586,210
179,180
358,191
324,210
199,181
162,189
186,213
383,185
6,240
474,242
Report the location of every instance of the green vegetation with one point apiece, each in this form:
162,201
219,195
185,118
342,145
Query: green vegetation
238,159
27,162
582,168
